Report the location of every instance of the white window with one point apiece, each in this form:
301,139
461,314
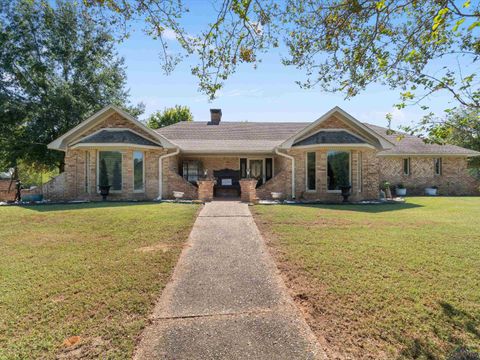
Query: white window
109,169
310,168
138,172
406,166
338,170
438,166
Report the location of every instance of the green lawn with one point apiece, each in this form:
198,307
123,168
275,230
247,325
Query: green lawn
90,270
383,281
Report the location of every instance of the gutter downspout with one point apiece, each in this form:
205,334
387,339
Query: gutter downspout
160,172
292,159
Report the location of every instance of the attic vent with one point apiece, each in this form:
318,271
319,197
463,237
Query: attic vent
215,116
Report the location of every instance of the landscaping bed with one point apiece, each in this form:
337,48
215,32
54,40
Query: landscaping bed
382,281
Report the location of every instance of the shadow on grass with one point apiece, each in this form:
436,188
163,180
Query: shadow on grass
86,205
461,319
367,208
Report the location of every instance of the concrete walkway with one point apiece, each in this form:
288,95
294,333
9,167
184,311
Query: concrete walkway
225,299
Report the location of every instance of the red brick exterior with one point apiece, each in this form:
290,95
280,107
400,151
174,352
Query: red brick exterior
80,177
455,178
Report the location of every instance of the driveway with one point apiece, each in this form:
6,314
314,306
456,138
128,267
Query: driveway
226,299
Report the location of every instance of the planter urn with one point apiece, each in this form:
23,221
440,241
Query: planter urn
104,191
401,191
345,192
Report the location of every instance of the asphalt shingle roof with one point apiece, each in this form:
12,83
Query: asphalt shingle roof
410,145
265,136
230,136
116,136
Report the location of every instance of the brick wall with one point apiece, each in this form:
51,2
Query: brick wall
117,121
364,179
454,180
7,192
81,175
172,181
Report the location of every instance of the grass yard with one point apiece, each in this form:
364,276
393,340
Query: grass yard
88,270
383,281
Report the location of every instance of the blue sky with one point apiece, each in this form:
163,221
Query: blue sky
268,93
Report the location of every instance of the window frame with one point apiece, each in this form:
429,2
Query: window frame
87,172
121,170
360,172
440,167
409,169
199,169
307,189
349,152
142,190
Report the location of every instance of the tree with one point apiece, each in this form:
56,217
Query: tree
342,45
58,65
459,127
169,116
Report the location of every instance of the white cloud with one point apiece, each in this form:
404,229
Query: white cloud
169,34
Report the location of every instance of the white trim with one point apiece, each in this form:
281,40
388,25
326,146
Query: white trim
427,155
116,129
60,142
223,152
100,146
336,146
98,172
306,171
142,190
385,143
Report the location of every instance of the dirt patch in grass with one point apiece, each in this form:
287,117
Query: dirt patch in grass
313,301
382,285
158,247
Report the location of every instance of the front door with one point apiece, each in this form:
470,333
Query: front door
256,170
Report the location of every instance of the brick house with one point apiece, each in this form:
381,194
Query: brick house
304,161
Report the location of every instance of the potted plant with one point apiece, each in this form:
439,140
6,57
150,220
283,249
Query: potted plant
276,195
431,191
103,183
386,188
401,190
345,189
178,195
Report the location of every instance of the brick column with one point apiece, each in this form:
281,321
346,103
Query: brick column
205,189
248,190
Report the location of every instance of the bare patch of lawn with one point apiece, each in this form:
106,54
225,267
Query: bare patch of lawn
383,281
73,282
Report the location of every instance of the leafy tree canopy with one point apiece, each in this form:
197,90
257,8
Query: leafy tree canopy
58,65
342,45
459,127
169,116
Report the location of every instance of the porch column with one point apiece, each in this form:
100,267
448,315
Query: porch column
205,189
248,190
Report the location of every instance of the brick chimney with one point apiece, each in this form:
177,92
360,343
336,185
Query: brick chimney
215,116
